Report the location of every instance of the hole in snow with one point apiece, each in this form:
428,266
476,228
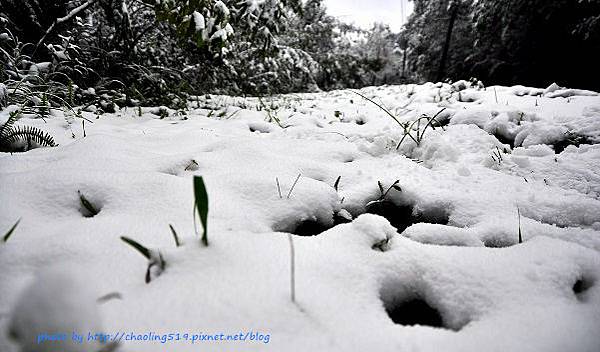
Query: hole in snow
382,245
581,286
314,227
258,129
570,139
403,216
310,228
407,303
497,242
504,139
500,239
415,312
88,208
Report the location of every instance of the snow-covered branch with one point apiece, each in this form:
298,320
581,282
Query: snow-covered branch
66,18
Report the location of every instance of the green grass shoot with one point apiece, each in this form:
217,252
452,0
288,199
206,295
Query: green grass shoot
12,229
175,237
201,206
337,183
87,205
137,246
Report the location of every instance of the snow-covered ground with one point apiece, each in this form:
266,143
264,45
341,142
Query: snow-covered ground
457,264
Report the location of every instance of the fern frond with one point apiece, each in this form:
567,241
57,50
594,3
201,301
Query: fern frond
29,133
8,126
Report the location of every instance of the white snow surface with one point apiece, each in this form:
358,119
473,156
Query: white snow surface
462,255
198,21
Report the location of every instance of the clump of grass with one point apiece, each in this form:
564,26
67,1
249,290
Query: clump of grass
497,156
382,206
408,127
293,186
201,206
379,106
88,206
382,245
155,258
192,166
10,231
384,194
291,189
268,110
418,138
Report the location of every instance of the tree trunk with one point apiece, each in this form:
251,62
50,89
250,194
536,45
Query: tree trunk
453,14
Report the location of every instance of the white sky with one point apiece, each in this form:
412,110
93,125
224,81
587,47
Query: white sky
365,12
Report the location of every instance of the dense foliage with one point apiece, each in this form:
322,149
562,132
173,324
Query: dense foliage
102,54
531,42
108,53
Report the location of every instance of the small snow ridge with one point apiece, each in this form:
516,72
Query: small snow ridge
442,235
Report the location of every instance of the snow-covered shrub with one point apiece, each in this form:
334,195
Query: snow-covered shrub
38,83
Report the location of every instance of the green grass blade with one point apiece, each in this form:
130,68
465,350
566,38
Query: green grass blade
430,120
87,205
379,106
381,189
140,248
201,205
175,237
337,183
12,229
